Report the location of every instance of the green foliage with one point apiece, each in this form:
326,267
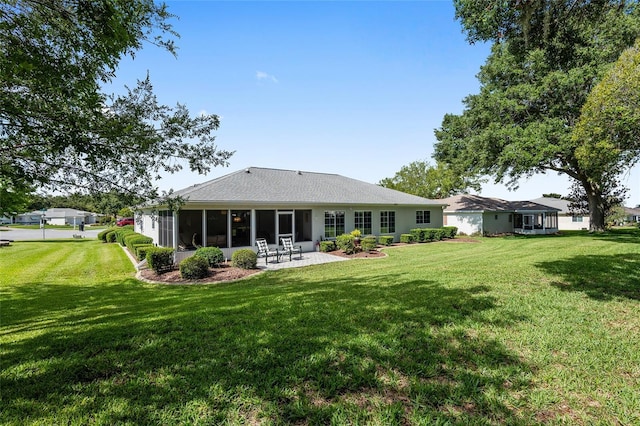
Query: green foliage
419,234
455,324
213,255
102,235
194,268
125,212
60,131
450,231
424,180
132,239
407,238
327,246
356,233
244,258
346,243
160,259
368,243
385,240
141,250
15,195
122,232
110,236
543,65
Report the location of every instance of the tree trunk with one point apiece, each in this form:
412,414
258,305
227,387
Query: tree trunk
597,208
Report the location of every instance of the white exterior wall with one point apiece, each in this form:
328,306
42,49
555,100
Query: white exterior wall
497,223
566,223
405,219
467,223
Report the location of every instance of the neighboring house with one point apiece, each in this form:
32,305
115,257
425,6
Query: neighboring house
31,218
473,214
232,211
567,221
58,216
633,214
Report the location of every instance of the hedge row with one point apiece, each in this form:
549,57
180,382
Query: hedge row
423,235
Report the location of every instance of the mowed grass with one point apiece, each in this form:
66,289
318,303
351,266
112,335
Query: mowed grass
515,330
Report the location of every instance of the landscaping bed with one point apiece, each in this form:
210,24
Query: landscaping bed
224,273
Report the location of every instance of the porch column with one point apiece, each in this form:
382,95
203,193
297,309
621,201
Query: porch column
252,240
204,228
175,230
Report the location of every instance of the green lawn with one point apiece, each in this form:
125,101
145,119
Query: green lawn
514,330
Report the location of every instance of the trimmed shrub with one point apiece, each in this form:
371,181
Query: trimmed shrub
102,235
419,234
385,240
346,243
132,239
431,234
213,255
406,238
122,232
451,231
368,243
327,246
194,268
160,259
244,258
141,250
438,234
110,237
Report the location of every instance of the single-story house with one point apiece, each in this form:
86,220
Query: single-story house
57,216
234,210
633,214
567,221
473,214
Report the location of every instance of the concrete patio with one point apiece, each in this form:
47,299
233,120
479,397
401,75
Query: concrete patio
310,258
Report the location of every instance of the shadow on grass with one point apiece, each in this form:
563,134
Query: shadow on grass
601,277
385,351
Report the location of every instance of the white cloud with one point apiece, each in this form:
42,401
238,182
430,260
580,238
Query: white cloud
261,76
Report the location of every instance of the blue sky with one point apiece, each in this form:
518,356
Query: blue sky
354,88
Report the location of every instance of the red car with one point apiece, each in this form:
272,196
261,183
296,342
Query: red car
125,221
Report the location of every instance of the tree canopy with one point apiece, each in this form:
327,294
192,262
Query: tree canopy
59,131
546,58
424,180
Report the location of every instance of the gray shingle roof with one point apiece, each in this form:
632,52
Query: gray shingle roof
558,203
468,203
274,186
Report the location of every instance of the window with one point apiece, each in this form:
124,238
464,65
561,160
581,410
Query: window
302,220
217,223
387,222
362,221
423,216
576,218
266,225
240,228
190,229
551,220
333,224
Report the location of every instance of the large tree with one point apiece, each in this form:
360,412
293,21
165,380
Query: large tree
546,57
424,180
60,131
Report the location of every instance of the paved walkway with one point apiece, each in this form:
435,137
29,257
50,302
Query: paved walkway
310,258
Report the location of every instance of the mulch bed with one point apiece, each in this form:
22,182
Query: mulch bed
360,255
221,274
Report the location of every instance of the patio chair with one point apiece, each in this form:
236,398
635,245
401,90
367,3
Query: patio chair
289,248
265,251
